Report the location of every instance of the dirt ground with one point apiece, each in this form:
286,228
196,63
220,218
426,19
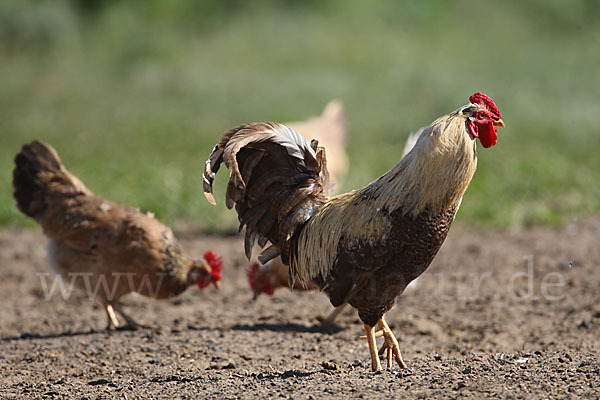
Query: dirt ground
511,314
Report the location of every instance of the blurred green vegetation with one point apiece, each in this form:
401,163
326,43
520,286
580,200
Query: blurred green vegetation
134,94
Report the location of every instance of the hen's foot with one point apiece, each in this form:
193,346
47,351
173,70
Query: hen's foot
113,322
131,324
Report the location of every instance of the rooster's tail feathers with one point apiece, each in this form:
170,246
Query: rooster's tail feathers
277,181
252,135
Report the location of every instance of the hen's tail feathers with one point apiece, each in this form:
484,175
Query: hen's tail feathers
39,174
277,182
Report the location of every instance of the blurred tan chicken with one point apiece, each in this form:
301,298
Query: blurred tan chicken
329,129
107,249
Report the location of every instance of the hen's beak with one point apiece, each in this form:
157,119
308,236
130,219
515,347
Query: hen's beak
499,123
217,284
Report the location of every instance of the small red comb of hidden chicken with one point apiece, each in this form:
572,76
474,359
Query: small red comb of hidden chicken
259,282
216,265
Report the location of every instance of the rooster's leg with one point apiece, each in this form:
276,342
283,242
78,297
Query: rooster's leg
390,345
328,321
131,323
370,331
113,322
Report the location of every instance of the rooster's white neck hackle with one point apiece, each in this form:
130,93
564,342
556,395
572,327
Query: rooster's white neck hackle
434,174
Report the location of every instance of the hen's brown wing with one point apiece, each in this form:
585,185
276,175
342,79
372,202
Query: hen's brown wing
277,181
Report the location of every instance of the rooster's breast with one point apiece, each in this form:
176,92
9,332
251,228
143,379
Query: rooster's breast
370,274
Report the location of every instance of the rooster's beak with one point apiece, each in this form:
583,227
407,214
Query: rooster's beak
499,123
217,284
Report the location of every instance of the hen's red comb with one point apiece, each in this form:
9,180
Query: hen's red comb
487,102
216,264
265,285
252,275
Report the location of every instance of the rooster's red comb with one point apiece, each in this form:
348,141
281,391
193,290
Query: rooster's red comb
216,264
487,102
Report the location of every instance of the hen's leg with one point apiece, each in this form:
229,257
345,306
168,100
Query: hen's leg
131,323
370,331
390,345
113,322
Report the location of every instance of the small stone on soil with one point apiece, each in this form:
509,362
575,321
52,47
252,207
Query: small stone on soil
99,382
330,366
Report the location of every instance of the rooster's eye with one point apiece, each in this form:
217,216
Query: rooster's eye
480,115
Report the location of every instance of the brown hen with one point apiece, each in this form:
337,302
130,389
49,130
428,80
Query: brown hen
107,249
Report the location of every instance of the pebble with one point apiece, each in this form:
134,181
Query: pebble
330,366
228,364
101,381
585,325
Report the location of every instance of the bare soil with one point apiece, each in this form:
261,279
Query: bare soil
511,314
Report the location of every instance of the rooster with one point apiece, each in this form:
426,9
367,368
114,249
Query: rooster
363,247
110,245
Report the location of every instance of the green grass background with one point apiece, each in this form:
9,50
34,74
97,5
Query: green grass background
134,94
